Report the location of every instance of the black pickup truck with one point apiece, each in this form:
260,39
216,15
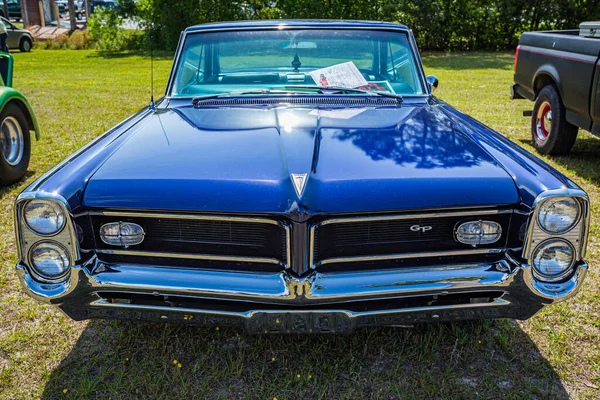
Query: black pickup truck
560,71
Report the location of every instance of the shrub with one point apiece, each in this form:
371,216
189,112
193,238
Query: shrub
60,41
79,40
104,27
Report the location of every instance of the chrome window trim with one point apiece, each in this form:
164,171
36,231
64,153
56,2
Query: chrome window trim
404,96
213,257
283,26
200,217
438,214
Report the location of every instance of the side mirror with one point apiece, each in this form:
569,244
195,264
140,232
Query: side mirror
6,69
433,81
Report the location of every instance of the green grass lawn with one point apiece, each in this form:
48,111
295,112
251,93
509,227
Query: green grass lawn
79,94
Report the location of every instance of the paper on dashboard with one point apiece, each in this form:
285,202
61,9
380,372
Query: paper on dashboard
344,75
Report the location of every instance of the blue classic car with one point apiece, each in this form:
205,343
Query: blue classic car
300,176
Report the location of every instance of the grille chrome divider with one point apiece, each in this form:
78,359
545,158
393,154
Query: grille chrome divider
213,257
288,246
412,216
185,216
382,257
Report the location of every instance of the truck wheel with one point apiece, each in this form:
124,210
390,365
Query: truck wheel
15,144
551,132
25,45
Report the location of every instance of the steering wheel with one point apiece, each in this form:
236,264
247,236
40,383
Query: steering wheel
367,73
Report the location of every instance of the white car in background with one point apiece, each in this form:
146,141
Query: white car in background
18,38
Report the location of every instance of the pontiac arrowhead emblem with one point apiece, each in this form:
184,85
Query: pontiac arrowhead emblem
299,181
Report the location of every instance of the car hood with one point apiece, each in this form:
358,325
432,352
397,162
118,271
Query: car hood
227,159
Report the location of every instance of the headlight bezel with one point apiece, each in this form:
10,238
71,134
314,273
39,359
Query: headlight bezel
28,238
52,203
558,277
35,270
576,236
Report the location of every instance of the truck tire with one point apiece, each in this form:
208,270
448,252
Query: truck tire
551,132
15,144
25,45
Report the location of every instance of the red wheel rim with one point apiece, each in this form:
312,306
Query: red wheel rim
543,121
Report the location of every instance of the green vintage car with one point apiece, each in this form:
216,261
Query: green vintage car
16,121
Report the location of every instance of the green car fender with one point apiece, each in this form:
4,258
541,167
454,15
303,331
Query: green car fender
7,95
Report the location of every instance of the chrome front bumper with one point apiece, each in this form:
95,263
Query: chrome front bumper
321,302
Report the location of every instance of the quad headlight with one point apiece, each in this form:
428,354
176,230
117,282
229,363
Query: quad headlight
557,234
44,217
46,237
49,259
552,259
558,214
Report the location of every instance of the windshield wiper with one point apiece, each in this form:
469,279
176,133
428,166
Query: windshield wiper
343,90
198,99
290,90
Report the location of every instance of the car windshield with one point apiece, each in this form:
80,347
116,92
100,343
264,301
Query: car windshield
275,60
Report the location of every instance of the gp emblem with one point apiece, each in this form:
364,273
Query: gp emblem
419,228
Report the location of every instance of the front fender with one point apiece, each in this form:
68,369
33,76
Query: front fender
8,94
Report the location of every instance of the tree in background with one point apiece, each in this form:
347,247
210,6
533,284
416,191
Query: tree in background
437,24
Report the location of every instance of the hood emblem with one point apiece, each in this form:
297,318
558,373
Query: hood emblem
299,181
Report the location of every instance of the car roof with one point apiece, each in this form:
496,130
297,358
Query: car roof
304,23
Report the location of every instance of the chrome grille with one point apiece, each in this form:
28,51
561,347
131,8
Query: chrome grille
390,232
374,238
216,238
209,232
